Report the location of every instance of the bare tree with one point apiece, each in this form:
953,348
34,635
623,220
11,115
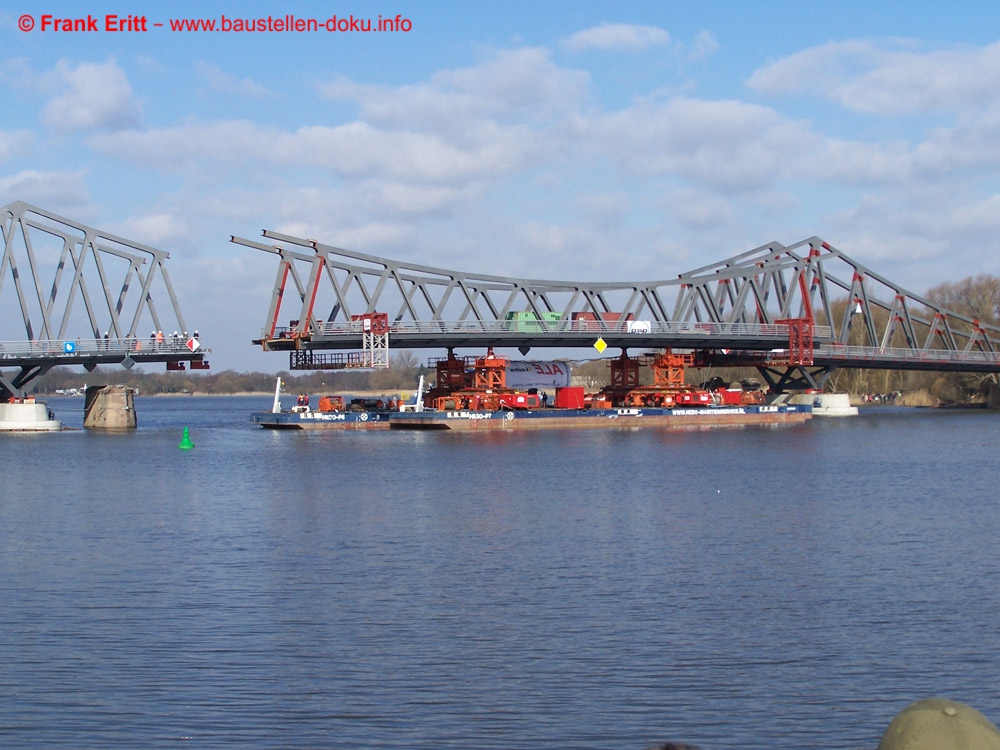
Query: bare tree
975,296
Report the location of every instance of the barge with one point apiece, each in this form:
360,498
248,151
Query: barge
475,394
535,419
488,393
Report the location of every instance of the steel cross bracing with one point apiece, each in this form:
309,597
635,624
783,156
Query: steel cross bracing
74,295
747,310
436,308
874,323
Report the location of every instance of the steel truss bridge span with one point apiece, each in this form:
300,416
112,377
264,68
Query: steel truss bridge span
796,312
82,296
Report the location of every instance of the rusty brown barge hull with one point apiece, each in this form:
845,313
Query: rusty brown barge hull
687,418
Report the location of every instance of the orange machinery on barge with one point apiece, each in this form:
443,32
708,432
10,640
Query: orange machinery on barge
474,395
332,412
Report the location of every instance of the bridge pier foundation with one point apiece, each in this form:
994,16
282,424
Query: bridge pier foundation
27,415
109,407
993,396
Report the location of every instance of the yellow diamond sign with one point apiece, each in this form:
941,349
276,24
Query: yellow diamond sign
600,345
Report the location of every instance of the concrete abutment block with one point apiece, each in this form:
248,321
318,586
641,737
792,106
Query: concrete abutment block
109,407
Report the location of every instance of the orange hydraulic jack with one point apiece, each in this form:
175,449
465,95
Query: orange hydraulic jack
668,369
624,373
490,373
451,375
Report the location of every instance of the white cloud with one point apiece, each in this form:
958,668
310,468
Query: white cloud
462,125
978,218
356,150
517,80
604,211
892,79
160,230
17,72
220,80
440,148
360,150
971,145
618,37
729,145
62,192
14,143
900,234
93,97
189,144
832,160
699,209
401,199
704,44
888,78
817,69
523,85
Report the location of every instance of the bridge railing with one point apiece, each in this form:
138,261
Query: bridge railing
73,349
898,356
724,331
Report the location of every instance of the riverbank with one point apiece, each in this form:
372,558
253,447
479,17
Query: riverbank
922,398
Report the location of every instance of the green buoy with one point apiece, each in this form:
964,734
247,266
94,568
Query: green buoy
186,444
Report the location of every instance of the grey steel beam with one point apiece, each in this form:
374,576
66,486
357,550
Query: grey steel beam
849,306
70,282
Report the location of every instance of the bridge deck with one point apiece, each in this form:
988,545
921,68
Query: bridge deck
871,358
481,334
733,344
93,352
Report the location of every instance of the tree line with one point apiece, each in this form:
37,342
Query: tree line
976,297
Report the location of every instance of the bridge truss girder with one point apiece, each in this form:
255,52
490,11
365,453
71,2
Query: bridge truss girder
83,296
357,283
744,304
813,279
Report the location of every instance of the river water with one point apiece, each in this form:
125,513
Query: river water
788,587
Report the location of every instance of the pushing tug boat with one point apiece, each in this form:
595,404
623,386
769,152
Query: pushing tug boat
473,394
331,412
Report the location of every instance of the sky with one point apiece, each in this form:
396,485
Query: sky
589,141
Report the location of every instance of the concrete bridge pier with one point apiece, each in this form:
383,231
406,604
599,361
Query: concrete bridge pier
993,396
109,407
